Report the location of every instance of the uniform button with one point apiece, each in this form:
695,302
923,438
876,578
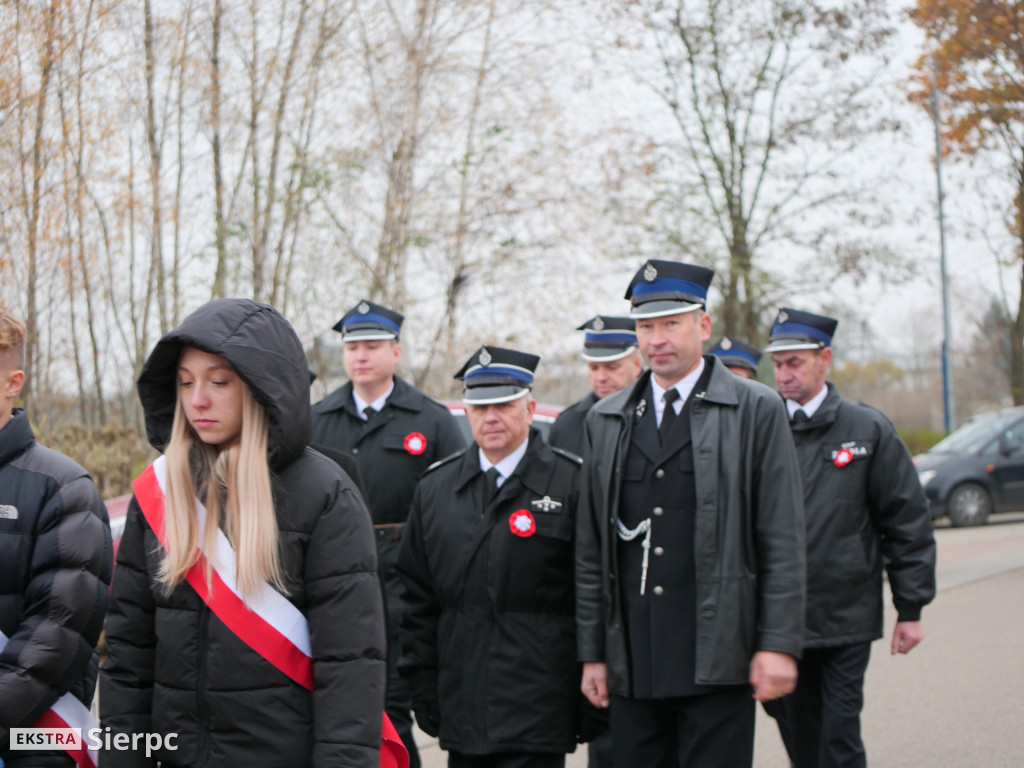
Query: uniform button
658,511
659,474
659,551
659,591
355,451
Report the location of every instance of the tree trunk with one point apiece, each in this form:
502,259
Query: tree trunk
218,290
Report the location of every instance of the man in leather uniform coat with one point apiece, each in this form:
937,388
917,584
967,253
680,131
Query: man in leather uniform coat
690,566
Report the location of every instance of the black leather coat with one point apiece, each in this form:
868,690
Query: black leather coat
749,529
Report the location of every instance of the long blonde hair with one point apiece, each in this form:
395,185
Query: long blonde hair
236,484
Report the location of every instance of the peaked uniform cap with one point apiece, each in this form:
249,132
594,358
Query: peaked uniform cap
497,375
367,321
608,338
737,353
795,329
661,288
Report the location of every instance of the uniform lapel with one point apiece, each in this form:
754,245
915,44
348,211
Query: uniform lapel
645,433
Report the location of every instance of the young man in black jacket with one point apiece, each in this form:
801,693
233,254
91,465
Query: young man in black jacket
55,563
864,510
395,432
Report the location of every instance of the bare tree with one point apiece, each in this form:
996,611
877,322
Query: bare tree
769,100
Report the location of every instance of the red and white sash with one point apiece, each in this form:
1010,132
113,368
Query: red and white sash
69,712
270,624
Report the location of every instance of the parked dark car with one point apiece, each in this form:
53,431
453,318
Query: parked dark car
977,470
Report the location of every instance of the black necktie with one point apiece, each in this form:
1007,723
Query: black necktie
369,411
800,416
669,415
492,483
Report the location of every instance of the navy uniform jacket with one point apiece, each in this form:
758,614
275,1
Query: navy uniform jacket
489,636
394,448
567,431
864,506
658,485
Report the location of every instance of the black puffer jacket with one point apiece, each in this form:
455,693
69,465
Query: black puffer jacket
55,561
174,667
864,508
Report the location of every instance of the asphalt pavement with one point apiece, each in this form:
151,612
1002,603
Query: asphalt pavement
957,700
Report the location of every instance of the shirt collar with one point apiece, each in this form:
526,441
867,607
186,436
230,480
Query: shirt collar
377,405
684,387
508,464
812,405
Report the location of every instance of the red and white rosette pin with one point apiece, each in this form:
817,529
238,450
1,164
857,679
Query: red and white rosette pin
843,457
522,523
415,443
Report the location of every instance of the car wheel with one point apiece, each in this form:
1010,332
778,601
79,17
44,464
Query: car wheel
969,504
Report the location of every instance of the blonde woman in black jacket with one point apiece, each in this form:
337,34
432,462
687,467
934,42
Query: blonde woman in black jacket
246,615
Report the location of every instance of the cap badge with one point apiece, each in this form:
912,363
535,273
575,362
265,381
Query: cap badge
415,443
521,523
363,308
485,357
726,343
547,504
650,272
598,324
783,317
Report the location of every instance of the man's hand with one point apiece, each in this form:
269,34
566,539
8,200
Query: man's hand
906,635
595,683
772,674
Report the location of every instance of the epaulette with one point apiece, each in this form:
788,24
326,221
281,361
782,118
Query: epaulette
567,455
445,460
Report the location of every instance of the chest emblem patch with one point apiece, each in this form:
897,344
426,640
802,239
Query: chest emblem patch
415,443
522,523
8,512
547,504
843,457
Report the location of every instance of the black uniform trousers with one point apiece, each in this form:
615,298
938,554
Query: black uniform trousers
506,760
671,721
710,730
398,698
820,721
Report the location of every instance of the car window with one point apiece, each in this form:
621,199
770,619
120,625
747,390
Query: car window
976,433
1014,435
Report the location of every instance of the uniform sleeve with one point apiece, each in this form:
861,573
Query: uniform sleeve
421,610
52,649
779,531
346,631
589,516
901,518
126,679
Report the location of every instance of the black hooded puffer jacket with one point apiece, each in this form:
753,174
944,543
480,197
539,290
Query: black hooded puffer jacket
173,666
